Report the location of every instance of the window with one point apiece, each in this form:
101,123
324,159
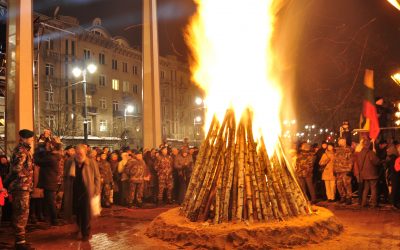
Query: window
103,125
162,74
51,121
102,80
49,69
73,96
115,84
86,54
35,68
114,64
89,100
115,106
66,92
135,70
124,67
66,47
72,48
102,59
135,88
2,119
125,86
49,43
103,103
89,125
49,95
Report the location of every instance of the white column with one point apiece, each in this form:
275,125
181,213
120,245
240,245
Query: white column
19,96
151,77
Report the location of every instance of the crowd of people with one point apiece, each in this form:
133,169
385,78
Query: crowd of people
367,170
58,181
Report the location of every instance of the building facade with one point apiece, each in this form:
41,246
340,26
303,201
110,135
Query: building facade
113,92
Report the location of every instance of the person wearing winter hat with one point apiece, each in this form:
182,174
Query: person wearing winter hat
20,183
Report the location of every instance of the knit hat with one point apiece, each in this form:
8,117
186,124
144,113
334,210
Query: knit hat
26,133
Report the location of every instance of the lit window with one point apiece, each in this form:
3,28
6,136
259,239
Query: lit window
115,84
2,119
103,125
89,100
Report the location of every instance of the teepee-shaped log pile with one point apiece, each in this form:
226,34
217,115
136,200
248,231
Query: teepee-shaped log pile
233,180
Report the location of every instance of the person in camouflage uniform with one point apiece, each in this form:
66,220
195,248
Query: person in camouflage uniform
163,167
106,180
20,185
183,167
343,166
304,169
135,169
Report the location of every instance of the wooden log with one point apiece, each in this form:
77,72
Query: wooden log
272,197
301,203
230,166
279,185
249,194
213,166
240,198
256,186
272,193
200,167
235,178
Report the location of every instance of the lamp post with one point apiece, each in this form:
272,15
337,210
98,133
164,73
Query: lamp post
128,109
77,72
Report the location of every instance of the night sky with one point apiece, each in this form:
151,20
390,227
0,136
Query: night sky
336,41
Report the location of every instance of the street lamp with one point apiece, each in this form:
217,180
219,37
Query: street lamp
128,109
198,101
77,72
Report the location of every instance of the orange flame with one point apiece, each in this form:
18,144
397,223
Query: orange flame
233,61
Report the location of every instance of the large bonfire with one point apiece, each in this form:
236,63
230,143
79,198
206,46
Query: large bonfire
241,172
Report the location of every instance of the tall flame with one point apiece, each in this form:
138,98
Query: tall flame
233,61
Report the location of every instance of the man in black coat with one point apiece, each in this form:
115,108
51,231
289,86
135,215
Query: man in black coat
48,157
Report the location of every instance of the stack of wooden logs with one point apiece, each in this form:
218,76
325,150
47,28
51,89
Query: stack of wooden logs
234,179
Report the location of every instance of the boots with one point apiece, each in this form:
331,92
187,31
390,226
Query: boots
23,246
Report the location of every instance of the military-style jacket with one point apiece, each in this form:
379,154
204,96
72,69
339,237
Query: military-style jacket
182,162
304,164
343,161
106,175
134,169
22,168
163,167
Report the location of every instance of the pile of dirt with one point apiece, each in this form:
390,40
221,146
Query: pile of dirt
178,230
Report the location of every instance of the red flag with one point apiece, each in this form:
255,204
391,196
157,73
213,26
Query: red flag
369,117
